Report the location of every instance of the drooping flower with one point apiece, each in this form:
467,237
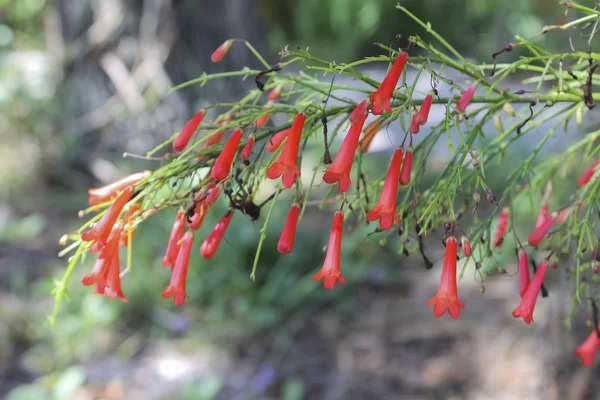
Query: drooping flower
111,288
414,125
184,136
276,140
275,92
247,149
542,215
211,244
262,120
104,226
339,170
173,245
447,295
466,246
423,113
286,240
587,174
110,191
220,52
222,166
176,287
331,272
370,132
527,305
406,167
540,232
360,110
523,272
201,209
385,210
381,97
128,226
501,229
465,99
587,350
213,194
100,269
286,165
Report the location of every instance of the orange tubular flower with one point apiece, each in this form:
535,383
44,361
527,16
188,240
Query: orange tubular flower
211,244
263,120
247,150
103,227
587,174
465,100
220,52
406,167
201,208
359,111
501,230
276,140
527,305
100,269
370,132
128,226
112,287
339,170
447,295
287,163
587,350
222,166
173,245
176,288
286,241
423,113
110,191
540,232
381,97
331,272
275,92
523,272
466,246
184,136
385,210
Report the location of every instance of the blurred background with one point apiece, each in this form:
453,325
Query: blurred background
82,81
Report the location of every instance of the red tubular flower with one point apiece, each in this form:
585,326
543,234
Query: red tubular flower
540,232
215,138
542,215
447,295
173,245
385,210
220,52
213,194
287,163
331,272
275,92
286,241
201,208
587,174
184,136
587,350
466,246
222,166
112,287
339,170
100,269
381,97
501,230
103,227
276,140
263,119
465,100
370,132
247,150
414,125
211,244
423,113
527,305
360,110
406,167
176,287
110,191
523,272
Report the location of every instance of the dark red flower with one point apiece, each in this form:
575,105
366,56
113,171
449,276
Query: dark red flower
527,305
385,210
176,287
211,244
222,166
287,163
447,295
382,96
286,241
331,272
184,136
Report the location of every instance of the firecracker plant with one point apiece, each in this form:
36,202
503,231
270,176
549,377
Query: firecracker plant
233,153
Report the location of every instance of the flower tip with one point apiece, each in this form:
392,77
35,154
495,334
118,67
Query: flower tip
221,51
